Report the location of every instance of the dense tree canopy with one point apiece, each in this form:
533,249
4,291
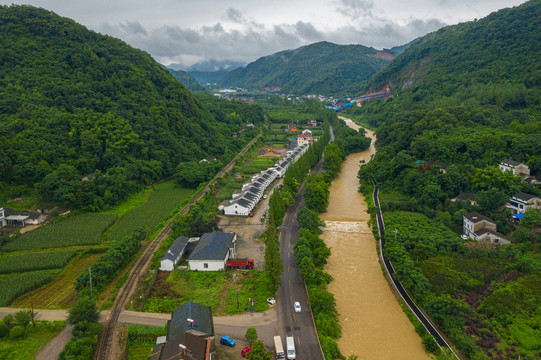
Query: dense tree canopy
86,119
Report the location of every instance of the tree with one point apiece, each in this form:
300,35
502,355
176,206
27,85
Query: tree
309,219
492,199
83,310
23,317
273,263
259,352
251,335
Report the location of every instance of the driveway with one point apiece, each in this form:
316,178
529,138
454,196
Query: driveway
248,229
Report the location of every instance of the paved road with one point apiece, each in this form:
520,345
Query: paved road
299,325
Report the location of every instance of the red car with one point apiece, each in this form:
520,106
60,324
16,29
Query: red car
245,351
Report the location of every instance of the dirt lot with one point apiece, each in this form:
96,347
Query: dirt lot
230,353
272,151
248,229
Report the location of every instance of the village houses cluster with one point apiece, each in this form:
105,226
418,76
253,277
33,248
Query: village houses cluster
481,228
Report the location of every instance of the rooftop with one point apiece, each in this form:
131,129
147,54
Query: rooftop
475,217
213,246
176,248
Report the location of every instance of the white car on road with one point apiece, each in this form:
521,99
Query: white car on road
297,306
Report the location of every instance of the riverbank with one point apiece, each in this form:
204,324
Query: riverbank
373,323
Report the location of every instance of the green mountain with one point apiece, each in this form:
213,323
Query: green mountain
210,77
186,79
466,98
320,68
74,103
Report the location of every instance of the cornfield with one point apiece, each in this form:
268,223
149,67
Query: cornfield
33,262
83,229
14,285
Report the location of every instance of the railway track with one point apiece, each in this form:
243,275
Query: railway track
106,338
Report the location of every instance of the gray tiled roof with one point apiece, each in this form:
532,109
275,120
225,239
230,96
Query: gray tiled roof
523,196
213,246
200,314
476,217
176,248
511,162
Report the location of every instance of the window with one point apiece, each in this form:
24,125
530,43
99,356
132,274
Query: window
205,265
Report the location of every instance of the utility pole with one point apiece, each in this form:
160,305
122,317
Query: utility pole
235,281
90,273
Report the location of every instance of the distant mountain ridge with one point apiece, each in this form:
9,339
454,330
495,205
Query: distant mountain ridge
210,65
320,68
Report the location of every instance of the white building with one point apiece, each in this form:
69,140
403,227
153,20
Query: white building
173,254
304,139
212,251
520,202
2,217
481,228
515,167
238,207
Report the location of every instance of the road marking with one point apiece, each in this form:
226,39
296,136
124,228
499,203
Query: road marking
298,341
291,299
288,269
294,318
292,220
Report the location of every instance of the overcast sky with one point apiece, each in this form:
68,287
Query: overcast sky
189,31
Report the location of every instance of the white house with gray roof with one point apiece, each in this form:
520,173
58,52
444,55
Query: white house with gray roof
515,167
212,251
520,202
238,207
173,254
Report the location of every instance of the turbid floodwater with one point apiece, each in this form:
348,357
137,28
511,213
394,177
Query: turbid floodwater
373,324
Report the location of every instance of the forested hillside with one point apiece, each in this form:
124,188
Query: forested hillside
186,79
466,98
75,103
320,68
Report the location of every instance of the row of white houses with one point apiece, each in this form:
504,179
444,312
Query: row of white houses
246,200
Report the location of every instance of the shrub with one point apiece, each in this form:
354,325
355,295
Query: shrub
4,330
16,332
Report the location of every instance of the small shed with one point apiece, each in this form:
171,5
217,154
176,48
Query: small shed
173,254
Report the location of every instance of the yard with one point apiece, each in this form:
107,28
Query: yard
29,346
211,288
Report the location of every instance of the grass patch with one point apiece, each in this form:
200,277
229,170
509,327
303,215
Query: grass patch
249,284
257,165
29,346
33,262
60,293
83,229
142,339
14,285
132,203
213,288
161,204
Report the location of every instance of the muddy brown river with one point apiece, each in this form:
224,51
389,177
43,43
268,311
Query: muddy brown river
373,324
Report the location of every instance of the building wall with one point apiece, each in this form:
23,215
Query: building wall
236,209
484,224
166,265
207,265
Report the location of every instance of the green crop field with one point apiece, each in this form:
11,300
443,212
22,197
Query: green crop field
257,165
35,339
76,230
33,262
166,198
14,285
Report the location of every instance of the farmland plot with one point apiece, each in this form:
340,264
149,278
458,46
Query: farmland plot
83,229
14,285
165,199
36,261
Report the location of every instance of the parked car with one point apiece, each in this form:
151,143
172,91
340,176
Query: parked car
226,340
297,306
251,214
245,351
264,196
271,301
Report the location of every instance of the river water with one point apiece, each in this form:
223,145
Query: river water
373,324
